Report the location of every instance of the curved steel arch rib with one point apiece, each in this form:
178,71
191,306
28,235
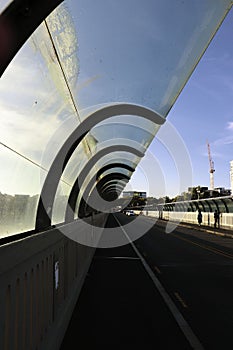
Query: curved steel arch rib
111,186
103,181
83,204
119,184
113,165
21,18
87,168
79,181
107,178
43,219
91,194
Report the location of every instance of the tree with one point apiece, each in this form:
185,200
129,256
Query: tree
194,194
167,199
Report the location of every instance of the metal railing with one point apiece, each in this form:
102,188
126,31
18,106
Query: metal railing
226,219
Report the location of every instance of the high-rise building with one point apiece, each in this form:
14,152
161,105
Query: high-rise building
231,175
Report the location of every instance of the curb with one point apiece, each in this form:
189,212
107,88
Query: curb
228,235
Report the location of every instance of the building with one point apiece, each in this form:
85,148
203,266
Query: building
134,194
222,191
199,192
134,198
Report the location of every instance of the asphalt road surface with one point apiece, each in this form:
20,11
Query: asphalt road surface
163,291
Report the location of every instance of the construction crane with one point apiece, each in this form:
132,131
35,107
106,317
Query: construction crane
212,170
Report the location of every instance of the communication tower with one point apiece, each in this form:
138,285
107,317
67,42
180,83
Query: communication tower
212,170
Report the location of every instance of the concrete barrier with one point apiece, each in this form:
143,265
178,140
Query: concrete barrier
41,278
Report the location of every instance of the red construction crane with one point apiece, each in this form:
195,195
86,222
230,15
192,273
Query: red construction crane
212,170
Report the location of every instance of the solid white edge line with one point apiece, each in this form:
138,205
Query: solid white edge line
182,323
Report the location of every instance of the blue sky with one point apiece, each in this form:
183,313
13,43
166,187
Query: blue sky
203,111
144,57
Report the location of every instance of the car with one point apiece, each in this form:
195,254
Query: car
130,213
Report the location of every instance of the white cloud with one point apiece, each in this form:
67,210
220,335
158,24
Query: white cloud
30,134
227,139
31,110
230,126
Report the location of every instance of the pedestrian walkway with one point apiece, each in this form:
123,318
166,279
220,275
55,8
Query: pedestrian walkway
120,308
210,229
228,233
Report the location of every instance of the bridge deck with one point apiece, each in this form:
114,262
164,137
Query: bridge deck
120,305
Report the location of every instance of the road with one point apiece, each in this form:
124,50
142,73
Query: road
193,269
196,269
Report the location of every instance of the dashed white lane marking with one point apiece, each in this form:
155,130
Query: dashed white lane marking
181,300
157,269
182,323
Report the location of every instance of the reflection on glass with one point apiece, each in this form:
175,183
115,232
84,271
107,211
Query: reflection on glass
33,112
116,170
60,203
221,206
141,52
125,131
76,163
206,206
229,203
19,192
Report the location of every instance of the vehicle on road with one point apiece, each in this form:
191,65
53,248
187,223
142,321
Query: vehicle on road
130,213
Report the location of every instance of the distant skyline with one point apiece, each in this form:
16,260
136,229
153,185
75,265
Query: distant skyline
203,111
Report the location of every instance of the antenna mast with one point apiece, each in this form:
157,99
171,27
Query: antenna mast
212,170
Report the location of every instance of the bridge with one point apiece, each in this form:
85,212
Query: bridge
85,87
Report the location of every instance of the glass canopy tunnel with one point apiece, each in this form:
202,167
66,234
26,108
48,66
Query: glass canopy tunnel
85,86
221,204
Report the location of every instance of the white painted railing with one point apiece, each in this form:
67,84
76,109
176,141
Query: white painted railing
226,219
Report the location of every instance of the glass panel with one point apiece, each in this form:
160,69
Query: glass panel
229,203
110,159
190,207
20,185
79,160
36,109
221,206
126,157
101,137
101,164
125,131
213,205
76,163
135,121
195,205
60,203
116,170
140,52
205,205
201,205
179,207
